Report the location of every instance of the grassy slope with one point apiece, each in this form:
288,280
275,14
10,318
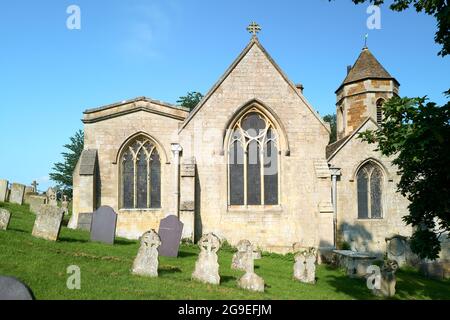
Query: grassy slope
105,271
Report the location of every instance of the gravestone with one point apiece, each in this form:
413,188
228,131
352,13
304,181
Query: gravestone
51,196
397,248
65,205
250,280
240,258
48,222
146,262
3,190
305,265
388,280
170,231
13,289
103,227
207,266
35,202
17,193
29,191
5,217
84,221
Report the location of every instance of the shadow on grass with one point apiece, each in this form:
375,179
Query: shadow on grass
124,242
72,240
410,283
184,254
226,279
354,287
168,270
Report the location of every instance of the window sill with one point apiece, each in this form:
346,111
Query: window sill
250,209
370,219
140,210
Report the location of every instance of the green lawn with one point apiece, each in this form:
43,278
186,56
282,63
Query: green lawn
105,271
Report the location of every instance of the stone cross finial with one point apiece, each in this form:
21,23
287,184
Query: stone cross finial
34,185
254,28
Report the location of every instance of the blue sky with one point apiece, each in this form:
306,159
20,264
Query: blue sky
163,49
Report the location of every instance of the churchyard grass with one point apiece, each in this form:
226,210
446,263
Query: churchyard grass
105,271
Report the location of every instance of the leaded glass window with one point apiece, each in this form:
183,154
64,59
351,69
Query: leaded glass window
253,161
141,175
370,191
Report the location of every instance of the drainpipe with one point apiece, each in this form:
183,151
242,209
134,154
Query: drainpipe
335,172
176,149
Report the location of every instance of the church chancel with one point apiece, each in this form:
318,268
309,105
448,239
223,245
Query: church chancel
251,161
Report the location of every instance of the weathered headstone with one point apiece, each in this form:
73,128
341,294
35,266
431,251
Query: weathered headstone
85,221
103,227
17,193
13,289
3,190
207,266
305,265
5,217
35,203
51,196
388,280
170,231
250,280
146,262
240,258
396,248
65,205
48,222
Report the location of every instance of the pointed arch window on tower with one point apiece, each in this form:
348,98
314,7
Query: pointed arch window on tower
379,105
370,191
140,175
253,161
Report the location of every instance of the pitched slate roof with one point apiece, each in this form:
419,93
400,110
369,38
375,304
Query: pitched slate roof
366,67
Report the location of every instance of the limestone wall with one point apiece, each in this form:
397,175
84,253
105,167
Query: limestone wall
297,217
370,233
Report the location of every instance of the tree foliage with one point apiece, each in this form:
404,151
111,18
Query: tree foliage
416,133
63,171
439,9
331,119
191,100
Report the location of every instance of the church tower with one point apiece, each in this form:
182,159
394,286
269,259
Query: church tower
367,86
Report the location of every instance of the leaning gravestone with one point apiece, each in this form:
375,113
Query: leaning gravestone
12,289
387,280
5,217
48,222
146,262
103,227
207,267
170,230
3,190
35,202
305,265
250,280
17,193
84,221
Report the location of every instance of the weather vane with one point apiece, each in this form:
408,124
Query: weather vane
254,28
365,40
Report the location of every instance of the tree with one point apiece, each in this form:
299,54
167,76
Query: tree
417,134
63,171
191,100
331,119
440,9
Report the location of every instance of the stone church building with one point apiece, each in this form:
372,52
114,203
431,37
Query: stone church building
251,161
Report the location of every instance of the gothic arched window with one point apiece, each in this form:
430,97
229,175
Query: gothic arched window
380,103
140,175
370,191
253,161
